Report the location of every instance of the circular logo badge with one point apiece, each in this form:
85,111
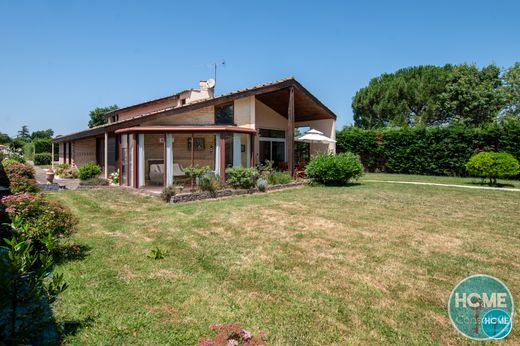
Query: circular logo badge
481,308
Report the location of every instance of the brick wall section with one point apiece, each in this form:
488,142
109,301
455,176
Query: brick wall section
84,151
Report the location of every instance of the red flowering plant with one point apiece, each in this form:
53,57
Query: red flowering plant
42,218
232,335
20,177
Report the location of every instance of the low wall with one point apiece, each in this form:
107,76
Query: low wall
198,196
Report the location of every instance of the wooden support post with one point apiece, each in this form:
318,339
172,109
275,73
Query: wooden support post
290,131
119,158
106,155
222,158
64,152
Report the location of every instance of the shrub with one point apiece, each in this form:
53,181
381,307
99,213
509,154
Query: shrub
39,216
12,154
97,181
65,171
88,171
330,169
261,184
27,290
42,145
491,165
28,151
278,177
168,192
42,159
21,177
241,177
209,182
196,172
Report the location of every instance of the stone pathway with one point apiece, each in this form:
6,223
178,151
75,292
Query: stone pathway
41,178
449,185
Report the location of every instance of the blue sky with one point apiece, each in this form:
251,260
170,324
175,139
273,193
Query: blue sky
60,59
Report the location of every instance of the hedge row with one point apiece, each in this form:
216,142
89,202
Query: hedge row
427,150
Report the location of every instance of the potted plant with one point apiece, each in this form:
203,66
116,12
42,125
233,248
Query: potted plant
50,176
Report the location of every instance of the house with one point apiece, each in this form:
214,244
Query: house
152,142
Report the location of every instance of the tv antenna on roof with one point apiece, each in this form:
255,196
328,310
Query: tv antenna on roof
215,65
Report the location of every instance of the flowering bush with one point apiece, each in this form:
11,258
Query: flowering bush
39,216
20,176
232,335
12,154
114,177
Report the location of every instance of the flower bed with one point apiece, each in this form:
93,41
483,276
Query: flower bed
202,195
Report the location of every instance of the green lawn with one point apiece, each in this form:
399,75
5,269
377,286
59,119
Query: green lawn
438,179
372,263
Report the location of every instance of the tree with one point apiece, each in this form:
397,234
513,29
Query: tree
24,134
512,91
42,134
408,97
432,95
473,96
97,116
4,138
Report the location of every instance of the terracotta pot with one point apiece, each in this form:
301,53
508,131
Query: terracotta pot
50,176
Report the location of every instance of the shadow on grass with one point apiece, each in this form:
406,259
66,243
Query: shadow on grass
479,183
71,328
72,252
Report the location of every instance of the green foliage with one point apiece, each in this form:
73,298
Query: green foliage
17,144
261,184
157,253
168,192
330,169
278,177
20,176
4,138
43,134
512,91
473,96
42,145
27,288
65,171
40,217
427,151
493,165
97,116
196,171
42,159
430,95
242,177
89,170
210,182
28,151
24,135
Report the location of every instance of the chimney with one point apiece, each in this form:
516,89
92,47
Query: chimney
205,90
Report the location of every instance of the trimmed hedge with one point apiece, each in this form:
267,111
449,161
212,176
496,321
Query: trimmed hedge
42,159
427,150
42,145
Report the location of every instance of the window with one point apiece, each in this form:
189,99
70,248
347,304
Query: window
224,114
271,133
183,102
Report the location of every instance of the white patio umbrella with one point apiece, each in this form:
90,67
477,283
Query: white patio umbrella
314,136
